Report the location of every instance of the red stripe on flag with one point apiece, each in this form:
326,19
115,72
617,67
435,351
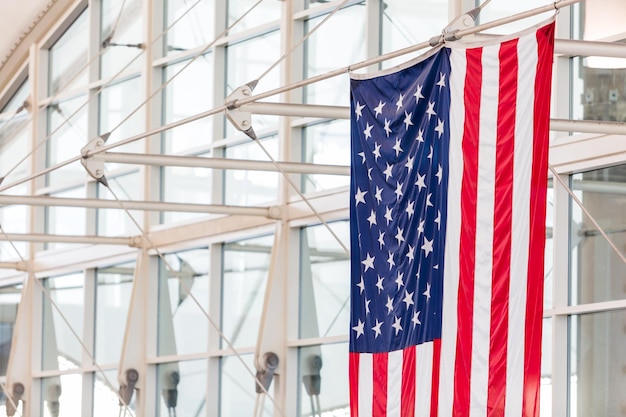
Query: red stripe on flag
467,242
380,373
534,302
434,394
407,399
502,224
353,372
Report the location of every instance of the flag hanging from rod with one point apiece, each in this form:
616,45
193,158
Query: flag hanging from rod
447,216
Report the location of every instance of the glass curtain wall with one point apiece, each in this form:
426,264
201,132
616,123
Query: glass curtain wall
116,69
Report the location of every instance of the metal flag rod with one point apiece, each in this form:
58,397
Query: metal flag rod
338,112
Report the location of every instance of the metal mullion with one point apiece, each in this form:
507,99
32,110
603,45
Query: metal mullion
214,310
561,271
89,338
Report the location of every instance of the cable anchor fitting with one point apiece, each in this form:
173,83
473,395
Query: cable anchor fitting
127,389
265,374
95,168
241,120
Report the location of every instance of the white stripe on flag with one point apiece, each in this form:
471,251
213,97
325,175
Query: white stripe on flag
366,384
394,383
527,52
423,379
481,323
453,233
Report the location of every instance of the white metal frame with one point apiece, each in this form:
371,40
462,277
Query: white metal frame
601,144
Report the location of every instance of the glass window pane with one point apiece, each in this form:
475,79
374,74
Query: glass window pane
118,117
597,363
62,395
114,287
189,93
67,131
14,146
185,185
598,88
13,219
182,388
19,98
245,267
68,57
66,220
116,222
245,187
61,349
247,61
321,59
324,291
326,143
238,388
597,272
599,81
192,24
406,23
323,384
9,300
265,11
183,327
599,20
503,8
122,24
106,400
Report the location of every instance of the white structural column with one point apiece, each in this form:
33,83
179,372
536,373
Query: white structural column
560,274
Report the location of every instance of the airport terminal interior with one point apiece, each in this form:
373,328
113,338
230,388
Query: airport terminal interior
174,201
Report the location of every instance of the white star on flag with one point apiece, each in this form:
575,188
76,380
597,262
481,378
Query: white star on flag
368,262
359,329
418,94
360,196
379,108
376,328
427,246
430,111
368,130
442,80
400,280
416,319
358,109
408,298
407,120
439,128
399,102
397,147
387,128
396,325
427,292
389,305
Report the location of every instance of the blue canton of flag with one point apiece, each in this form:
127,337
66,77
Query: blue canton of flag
400,143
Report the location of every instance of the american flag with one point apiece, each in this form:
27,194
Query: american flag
447,210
